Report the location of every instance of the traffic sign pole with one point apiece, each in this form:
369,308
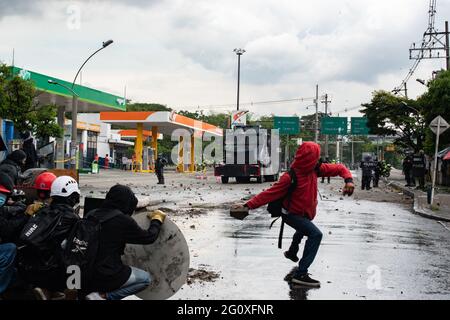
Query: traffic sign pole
435,160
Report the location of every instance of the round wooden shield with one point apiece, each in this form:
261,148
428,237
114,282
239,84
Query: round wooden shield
166,260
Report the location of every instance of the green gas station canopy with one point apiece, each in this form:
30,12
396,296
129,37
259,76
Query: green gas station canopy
89,100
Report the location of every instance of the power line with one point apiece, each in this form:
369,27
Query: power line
231,105
432,41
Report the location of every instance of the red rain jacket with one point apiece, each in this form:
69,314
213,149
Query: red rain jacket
304,197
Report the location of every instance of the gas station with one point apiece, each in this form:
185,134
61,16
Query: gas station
57,92
157,122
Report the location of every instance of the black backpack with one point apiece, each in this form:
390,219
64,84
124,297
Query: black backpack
40,228
82,244
275,207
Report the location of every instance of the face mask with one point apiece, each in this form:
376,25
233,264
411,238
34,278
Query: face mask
3,198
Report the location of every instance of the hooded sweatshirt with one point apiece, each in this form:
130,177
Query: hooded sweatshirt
120,229
12,165
304,197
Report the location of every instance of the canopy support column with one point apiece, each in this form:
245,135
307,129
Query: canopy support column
192,164
180,166
138,147
155,144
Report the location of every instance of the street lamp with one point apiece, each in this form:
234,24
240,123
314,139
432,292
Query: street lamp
239,52
406,105
421,81
73,143
62,85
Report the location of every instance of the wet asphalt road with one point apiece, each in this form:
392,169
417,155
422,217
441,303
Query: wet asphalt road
370,250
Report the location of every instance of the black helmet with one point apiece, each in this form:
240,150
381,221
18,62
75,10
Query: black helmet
17,156
6,184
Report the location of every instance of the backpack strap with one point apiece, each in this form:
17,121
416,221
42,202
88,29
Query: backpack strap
317,168
292,186
102,218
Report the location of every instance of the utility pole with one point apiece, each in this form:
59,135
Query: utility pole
316,122
326,101
447,51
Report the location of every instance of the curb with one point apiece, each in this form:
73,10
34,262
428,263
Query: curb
416,207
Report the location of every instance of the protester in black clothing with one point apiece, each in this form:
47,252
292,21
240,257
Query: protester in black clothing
367,167
13,164
112,280
159,169
42,265
327,160
12,220
30,150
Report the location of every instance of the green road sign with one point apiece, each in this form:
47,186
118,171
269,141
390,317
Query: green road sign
334,125
359,126
287,125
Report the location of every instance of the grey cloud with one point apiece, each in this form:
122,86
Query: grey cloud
19,7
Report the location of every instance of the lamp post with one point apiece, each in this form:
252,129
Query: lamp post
74,143
60,143
239,52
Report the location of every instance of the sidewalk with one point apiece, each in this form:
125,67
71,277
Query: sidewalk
421,207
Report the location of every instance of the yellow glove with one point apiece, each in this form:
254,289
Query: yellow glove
348,189
157,215
33,208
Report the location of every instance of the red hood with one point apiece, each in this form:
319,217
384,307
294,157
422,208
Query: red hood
306,157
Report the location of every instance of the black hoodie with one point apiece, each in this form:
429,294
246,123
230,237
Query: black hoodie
110,273
12,165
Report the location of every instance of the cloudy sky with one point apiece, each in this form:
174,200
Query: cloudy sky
180,53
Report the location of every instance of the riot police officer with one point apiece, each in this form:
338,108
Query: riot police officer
407,171
377,172
367,166
419,166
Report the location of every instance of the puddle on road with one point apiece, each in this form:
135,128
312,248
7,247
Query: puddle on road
250,265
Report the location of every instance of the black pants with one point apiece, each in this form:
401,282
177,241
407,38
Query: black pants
421,180
376,179
323,179
366,182
160,176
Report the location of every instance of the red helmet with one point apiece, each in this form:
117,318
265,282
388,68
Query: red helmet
44,181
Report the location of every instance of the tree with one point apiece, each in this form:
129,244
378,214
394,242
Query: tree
389,115
18,104
435,102
147,107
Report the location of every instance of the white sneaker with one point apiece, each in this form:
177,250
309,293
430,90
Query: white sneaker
94,296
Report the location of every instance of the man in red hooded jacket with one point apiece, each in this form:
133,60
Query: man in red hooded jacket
301,209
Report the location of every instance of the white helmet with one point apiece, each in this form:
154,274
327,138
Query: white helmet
64,186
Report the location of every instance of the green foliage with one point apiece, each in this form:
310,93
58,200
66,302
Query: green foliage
215,118
387,115
436,101
147,107
17,104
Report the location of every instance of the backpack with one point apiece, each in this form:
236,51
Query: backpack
40,228
275,207
82,244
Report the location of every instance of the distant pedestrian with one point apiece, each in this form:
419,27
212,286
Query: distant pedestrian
159,169
106,161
